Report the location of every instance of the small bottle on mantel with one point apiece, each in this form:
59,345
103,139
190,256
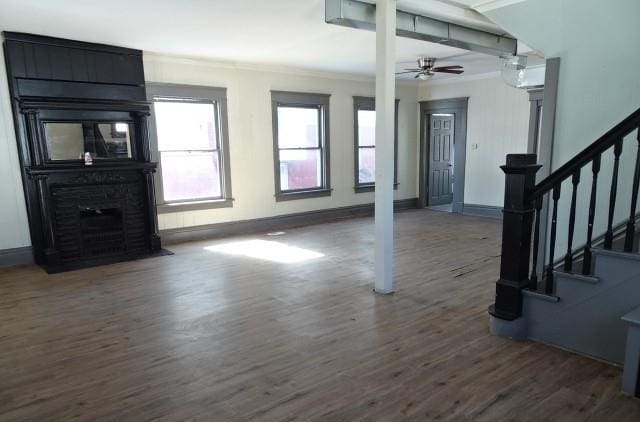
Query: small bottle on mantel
88,161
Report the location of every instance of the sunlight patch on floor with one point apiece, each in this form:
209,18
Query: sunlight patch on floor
267,250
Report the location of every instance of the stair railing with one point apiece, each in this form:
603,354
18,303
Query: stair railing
523,204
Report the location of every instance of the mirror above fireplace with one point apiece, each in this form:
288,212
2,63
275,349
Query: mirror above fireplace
103,140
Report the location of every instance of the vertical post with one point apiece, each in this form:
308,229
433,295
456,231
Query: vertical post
631,223
385,107
520,171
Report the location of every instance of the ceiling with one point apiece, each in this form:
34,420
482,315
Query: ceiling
276,32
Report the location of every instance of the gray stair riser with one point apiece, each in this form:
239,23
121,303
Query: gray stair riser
586,319
612,267
572,290
592,327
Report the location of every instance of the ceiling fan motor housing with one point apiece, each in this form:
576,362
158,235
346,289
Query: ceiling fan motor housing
426,62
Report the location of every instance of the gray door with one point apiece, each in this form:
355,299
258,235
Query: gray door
440,159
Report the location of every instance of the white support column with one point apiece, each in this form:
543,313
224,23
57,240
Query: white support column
385,110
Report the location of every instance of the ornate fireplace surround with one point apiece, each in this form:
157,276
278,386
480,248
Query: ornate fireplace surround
80,114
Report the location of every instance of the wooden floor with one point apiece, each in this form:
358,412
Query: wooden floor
212,334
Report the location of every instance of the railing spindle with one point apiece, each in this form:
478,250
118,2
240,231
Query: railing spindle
586,260
568,258
631,224
548,287
533,280
608,237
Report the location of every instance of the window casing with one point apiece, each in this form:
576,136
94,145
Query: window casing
189,140
300,145
364,144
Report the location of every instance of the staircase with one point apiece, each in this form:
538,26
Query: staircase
574,298
584,314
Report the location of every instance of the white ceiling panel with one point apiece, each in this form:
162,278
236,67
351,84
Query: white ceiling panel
276,32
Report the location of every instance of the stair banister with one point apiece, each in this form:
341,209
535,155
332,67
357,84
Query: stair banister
523,200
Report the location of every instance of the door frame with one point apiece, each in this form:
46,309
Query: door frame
457,107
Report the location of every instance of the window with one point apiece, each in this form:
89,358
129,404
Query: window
191,146
365,144
301,145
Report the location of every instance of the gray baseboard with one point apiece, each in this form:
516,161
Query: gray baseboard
16,256
482,210
259,225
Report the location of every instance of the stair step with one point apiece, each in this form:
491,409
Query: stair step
615,266
617,254
540,296
575,287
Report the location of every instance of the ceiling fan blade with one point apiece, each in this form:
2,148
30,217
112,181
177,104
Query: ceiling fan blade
414,70
449,67
457,72
402,73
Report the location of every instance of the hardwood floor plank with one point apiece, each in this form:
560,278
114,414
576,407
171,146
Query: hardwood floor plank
212,335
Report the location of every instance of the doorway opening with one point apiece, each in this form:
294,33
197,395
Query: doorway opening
443,133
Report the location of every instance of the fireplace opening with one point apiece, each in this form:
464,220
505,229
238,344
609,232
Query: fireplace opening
102,231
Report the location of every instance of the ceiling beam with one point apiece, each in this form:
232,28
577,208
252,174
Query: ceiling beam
362,15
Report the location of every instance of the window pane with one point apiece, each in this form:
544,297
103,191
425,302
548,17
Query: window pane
190,175
298,127
366,127
366,165
185,126
300,169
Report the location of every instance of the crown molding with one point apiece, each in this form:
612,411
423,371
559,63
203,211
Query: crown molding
153,57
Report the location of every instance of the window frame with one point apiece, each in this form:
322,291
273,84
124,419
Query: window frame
310,101
193,94
368,104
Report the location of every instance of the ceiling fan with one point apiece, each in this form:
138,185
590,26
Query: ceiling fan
426,69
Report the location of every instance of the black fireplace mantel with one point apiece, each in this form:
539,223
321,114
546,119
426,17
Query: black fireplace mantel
83,213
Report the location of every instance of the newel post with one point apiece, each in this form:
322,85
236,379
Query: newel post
520,176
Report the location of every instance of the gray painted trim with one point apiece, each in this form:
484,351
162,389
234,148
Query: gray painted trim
261,225
535,103
194,206
458,107
302,99
549,101
16,256
369,103
219,97
545,149
482,210
315,193
370,187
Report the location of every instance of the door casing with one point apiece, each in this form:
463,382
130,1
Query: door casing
457,107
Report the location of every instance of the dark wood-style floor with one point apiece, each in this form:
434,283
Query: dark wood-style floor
208,335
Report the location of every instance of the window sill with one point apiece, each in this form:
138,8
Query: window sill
370,188
194,206
287,196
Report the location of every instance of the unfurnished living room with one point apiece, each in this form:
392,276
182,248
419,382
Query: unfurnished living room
320,210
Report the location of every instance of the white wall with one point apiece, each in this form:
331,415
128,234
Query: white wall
251,139
497,125
14,229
